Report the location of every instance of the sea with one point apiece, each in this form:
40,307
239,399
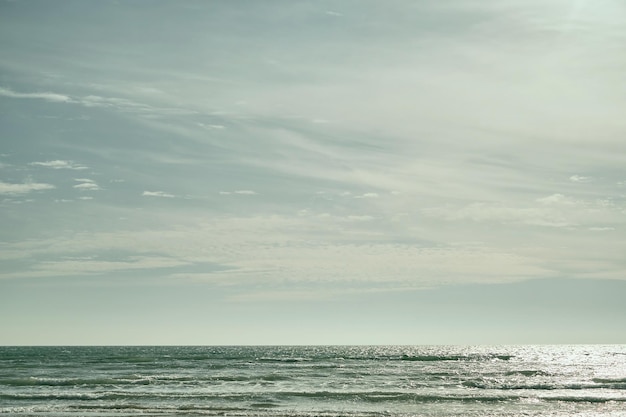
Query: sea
351,381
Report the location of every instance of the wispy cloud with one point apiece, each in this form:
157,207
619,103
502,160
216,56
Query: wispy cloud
555,210
367,195
359,218
23,188
240,192
579,178
86,184
87,266
121,104
211,126
112,102
490,151
161,194
53,97
60,164
555,199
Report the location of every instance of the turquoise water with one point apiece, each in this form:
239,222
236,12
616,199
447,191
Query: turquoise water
314,381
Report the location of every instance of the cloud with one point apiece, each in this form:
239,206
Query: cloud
211,126
162,194
77,266
24,188
268,249
59,164
241,192
115,103
359,218
86,184
553,199
579,178
367,195
354,252
555,210
497,213
470,128
53,97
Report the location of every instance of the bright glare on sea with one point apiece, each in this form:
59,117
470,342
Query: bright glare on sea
586,380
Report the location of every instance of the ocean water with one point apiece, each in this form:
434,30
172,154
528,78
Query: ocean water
355,381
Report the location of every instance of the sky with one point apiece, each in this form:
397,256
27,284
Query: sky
312,172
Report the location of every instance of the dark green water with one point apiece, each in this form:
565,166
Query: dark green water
314,381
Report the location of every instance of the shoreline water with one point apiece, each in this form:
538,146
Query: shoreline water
452,381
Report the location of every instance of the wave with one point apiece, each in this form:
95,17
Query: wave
282,360
437,358
393,396
615,383
32,381
136,380
258,409
586,399
266,398
420,358
528,373
488,385
198,402
186,357
294,381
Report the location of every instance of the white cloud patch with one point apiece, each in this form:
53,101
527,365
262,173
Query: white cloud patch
367,195
601,229
161,194
555,210
211,126
113,102
60,164
497,213
579,178
554,199
23,188
53,97
86,184
88,266
359,218
240,192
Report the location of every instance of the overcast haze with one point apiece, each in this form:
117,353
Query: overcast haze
326,172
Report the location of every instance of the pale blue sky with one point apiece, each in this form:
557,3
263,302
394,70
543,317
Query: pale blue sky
291,172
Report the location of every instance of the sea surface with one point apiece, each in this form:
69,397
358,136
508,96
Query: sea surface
585,380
